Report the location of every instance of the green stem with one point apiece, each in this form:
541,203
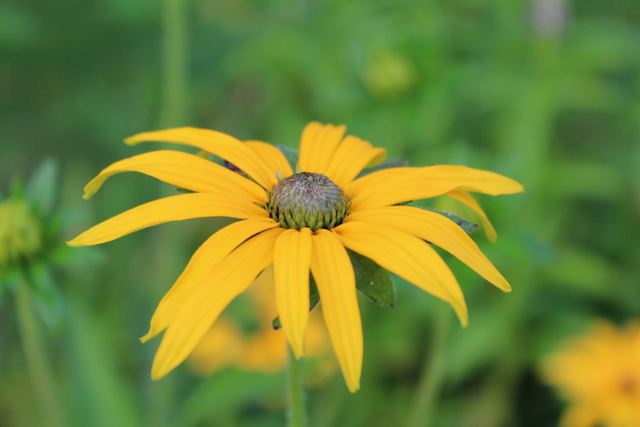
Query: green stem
174,100
433,373
37,365
174,112
296,414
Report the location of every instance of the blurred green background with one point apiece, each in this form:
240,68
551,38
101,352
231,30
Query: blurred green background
544,91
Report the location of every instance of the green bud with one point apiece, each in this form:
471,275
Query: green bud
20,232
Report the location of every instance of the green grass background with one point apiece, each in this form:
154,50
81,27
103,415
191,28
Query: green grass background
545,92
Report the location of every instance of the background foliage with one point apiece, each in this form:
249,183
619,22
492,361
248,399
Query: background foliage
544,91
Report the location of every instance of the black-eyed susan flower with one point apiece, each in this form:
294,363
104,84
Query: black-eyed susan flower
599,374
299,222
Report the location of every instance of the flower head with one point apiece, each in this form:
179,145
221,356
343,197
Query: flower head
599,373
300,223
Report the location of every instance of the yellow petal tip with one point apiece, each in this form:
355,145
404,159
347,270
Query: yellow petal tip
298,353
463,317
74,244
354,387
147,337
94,185
158,371
155,376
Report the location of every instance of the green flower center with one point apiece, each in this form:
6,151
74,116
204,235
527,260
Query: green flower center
20,233
308,200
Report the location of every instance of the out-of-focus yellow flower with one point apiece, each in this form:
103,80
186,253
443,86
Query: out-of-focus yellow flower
226,344
20,232
599,374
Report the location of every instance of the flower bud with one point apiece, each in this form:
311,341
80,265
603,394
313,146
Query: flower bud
20,233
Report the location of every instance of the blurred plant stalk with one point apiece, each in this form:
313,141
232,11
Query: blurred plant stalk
174,103
36,359
173,112
433,373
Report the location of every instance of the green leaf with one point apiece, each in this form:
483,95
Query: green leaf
50,302
314,298
41,189
465,224
373,281
291,154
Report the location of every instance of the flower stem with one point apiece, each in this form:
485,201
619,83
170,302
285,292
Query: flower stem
296,414
37,365
174,100
433,373
174,112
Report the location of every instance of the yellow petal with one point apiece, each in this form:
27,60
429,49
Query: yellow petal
333,273
378,179
408,257
318,145
438,230
271,156
209,297
392,186
467,199
291,268
182,170
350,158
210,253
218,143
174,208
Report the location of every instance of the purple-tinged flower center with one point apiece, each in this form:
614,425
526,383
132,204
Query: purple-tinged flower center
308,200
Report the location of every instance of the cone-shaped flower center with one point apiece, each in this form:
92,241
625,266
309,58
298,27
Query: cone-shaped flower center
308,200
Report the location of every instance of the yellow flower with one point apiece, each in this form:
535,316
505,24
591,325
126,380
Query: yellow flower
599,374
299,223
